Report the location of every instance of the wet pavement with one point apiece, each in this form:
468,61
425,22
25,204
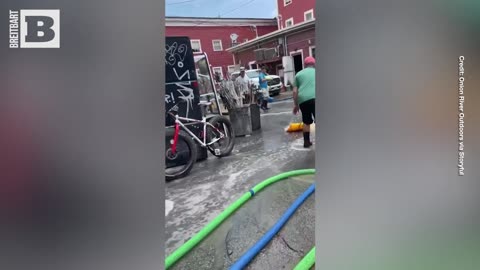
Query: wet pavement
213,184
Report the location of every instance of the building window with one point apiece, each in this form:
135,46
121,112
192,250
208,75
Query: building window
196,45
312,51
218,70
217,45
308,15
287,2
289,22
231,69
245,40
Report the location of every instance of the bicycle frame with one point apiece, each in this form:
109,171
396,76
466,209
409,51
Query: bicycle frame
179,124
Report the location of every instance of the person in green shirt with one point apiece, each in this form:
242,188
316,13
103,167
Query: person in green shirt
304,97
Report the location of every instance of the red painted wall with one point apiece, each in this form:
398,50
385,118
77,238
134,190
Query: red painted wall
296,41
300,41
208,33
295,10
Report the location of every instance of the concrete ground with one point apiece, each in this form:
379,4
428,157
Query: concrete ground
194,201
283,95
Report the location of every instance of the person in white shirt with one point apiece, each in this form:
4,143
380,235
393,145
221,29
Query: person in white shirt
242,83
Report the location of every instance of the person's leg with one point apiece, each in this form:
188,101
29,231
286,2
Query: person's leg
265,99
306,128
306,136
265,104
261,98
306,109
313,110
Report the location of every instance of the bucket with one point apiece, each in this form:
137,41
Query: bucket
241,120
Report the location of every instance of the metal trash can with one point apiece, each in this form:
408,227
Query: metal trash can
255,116
241,120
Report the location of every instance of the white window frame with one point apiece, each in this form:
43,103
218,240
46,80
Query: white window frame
287,2
251,63
310,50
232,68
199,44
292,53
221,71
306,13
221,45
289,20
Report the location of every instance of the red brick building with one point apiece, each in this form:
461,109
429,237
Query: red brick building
291,12
295,38
214,35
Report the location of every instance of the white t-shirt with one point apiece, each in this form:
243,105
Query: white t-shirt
242,84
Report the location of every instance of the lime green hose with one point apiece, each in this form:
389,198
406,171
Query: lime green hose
307,262
195,240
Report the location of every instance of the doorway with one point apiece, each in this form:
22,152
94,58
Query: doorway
297,63
297,60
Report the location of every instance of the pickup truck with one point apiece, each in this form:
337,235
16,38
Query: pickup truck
274,82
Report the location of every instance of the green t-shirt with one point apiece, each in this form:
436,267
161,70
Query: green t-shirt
305,81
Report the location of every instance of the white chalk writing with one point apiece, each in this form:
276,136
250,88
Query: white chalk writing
175,55
186,73
186,94
169,98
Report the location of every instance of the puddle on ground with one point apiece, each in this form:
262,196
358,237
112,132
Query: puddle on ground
246,226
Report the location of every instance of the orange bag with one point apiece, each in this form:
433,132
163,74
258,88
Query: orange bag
295,125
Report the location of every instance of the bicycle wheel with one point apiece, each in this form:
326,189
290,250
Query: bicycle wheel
224,146
180,163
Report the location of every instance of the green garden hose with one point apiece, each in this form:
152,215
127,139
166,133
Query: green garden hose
195,240
307,262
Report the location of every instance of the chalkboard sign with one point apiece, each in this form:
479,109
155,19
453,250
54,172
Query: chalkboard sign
181,87
181,78
179,61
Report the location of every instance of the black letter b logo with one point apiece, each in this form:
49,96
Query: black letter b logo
40,28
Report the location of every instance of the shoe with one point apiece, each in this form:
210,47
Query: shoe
307,144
